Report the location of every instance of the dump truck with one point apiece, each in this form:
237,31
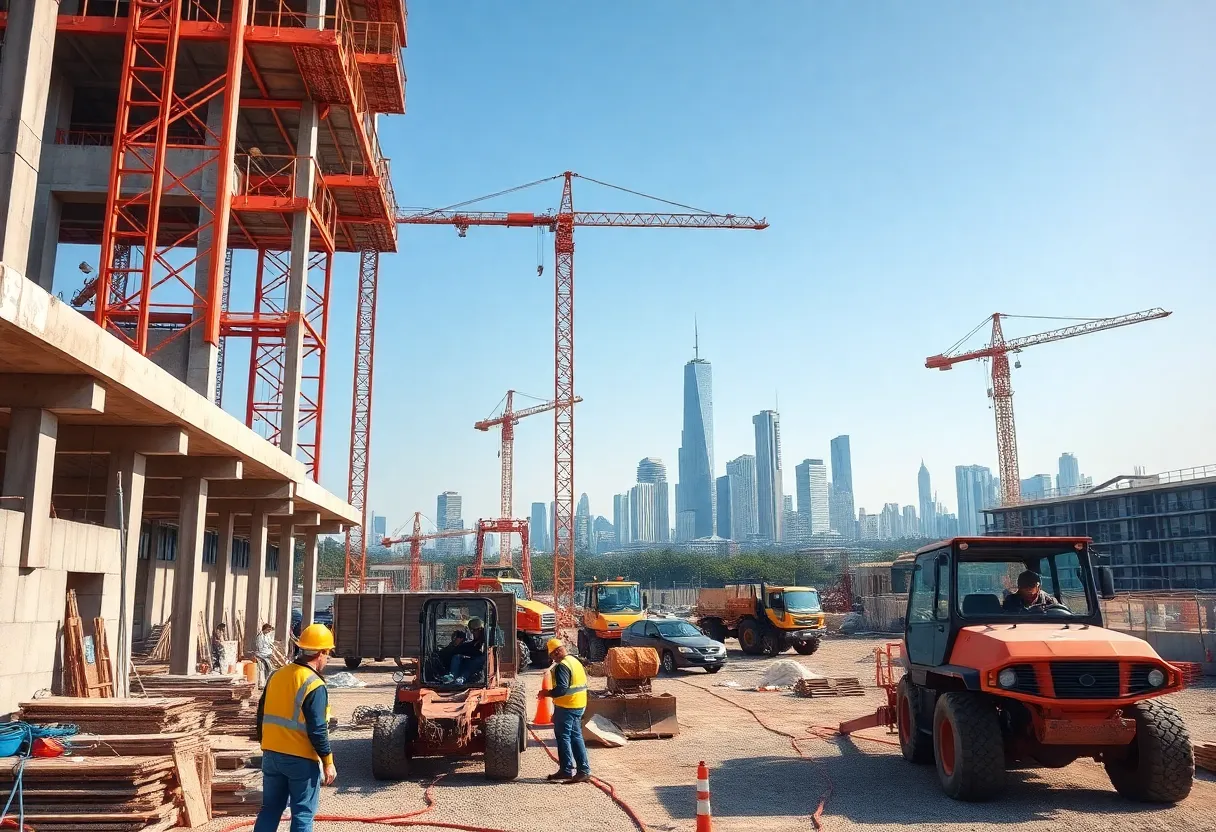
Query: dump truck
1006,665
766,619
535,623
608,608
437,713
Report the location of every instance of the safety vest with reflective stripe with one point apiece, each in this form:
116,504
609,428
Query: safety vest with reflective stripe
576,696
283,726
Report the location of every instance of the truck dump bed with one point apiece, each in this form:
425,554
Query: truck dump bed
728,601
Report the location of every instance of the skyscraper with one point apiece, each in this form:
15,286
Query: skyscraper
1069,478
812,486
641,513
928,514
724,507
584,506
538,529
974,484
911,525
1036,487
653,471
787,502
743,517
582,524
889,522
379,528
620,519
697,446
842,483
769,502
447,516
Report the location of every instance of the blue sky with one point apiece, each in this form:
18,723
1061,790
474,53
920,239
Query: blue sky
922,165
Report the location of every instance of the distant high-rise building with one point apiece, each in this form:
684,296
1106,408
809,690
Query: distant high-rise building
928,513
743,512
812,481
379,528
582,524
538,529
642,527
911,526
842,482
974,484
584,506
769,502
652,470
1036,487
697,446
787,502
686,526
795,528
724,506
447,517
620,519
1068,481
867,525
889,522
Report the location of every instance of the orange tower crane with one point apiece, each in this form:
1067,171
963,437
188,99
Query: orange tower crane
1001,391
507,421
562,224
415,540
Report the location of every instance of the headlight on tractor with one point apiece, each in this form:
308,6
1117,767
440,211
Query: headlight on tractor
687,650
1156,678
1007,678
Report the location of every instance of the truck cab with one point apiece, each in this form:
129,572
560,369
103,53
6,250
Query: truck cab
608,608
535,623
766,619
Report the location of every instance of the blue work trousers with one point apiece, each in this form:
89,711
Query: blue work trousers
288,780
568,731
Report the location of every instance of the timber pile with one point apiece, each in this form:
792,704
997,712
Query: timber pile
840,686
236,787
229,698
97,794
1205,756
136,716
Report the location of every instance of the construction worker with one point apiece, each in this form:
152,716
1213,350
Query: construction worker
293,726
470,657
1030,595
568,689
263,653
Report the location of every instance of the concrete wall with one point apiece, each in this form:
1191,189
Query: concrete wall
32,601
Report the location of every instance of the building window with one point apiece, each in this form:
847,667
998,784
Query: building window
211,546
272,559
240,553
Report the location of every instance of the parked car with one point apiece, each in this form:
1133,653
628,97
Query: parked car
678,643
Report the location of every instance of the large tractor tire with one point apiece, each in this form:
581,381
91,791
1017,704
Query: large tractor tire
390,747
597,648
808,647
523,656
540,658
584,649
716,630
968,747
517,703
915,741
352,663
749,637
772,643
1160,763
502,746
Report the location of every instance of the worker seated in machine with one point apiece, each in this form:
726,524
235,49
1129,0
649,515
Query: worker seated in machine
1030,597
468,659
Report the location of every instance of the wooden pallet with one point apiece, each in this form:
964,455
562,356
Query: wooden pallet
135,715
1205,756
839,686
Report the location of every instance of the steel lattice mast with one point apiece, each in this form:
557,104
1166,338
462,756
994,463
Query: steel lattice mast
361,419
998,349
562,224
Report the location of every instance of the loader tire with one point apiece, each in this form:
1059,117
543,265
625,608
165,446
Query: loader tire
1160,762
352,663
749,637
584,649
517,703
772,644
915,743
968,747
808,647
716,630
523,656
597,648
502,746
390,747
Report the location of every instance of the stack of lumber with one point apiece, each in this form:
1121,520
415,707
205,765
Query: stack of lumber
136,716
97,794
229,698
236,786
139,745
1205,755
840,686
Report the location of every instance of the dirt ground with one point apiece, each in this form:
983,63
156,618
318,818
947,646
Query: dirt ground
757,779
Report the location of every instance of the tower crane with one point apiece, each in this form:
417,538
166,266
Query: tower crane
562,223
416,540
1001,391
507,421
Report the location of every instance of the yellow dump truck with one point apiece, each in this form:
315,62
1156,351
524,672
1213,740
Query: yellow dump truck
608,608
766,619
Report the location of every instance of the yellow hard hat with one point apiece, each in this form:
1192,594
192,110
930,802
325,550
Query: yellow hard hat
553,643
316,637
475,623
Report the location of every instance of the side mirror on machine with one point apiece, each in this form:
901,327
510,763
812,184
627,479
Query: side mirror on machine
646,600
1106,582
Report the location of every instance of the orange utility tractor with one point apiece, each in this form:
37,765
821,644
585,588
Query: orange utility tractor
1007,665
464,699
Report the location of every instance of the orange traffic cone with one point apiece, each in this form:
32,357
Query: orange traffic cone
705,820
544,705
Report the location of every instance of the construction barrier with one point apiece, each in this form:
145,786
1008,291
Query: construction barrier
705,820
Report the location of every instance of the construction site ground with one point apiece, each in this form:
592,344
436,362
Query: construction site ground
757,778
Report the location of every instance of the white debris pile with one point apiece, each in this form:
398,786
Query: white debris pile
783,673
604,731
344,680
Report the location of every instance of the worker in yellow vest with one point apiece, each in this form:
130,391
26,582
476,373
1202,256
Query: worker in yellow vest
293,726
568,688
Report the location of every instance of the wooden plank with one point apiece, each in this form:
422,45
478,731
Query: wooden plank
195,812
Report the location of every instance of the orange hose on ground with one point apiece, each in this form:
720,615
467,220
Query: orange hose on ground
603,785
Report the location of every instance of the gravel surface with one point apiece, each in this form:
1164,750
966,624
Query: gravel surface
758,781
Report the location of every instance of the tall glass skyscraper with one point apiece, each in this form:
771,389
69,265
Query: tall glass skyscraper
743,520
975,493
654,472
928,507
697,492
842,505
447,516
538,529
1069,477
769,499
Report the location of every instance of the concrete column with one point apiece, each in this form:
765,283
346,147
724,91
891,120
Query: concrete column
186,606
25,75
28,471
297,281
308,600
287,561
127,471
256,586
225,578
48,208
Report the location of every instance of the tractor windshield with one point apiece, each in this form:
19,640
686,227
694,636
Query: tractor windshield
516,587
1051,584
620,598
802,600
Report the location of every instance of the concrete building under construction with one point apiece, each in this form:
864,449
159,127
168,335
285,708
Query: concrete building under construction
215,156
